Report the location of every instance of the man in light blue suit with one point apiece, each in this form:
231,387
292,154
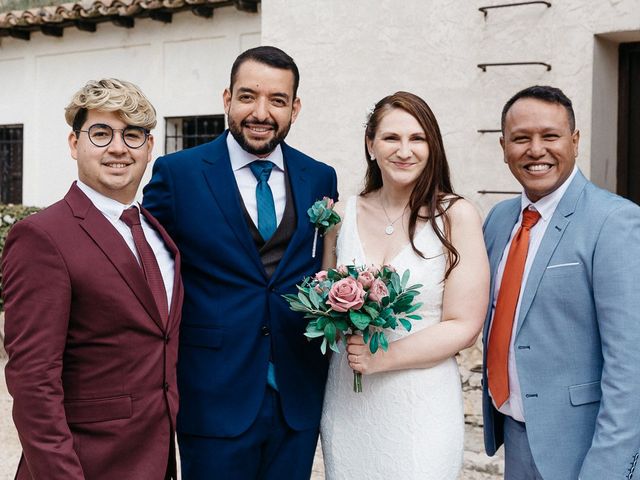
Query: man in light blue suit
572,375
251,385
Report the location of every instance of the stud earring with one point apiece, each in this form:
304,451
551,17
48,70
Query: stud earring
372,156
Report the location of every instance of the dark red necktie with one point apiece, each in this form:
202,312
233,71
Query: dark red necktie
502,325
131,216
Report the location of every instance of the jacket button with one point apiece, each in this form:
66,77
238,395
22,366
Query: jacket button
166,387
265,331
166,339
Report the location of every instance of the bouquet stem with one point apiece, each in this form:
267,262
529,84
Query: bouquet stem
357,382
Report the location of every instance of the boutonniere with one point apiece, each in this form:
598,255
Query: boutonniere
323,217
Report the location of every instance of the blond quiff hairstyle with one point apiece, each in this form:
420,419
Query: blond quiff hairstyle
111,95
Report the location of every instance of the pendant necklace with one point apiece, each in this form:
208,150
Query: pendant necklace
389,229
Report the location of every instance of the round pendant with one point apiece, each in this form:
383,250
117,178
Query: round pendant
389,229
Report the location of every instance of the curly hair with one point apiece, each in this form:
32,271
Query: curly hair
111,95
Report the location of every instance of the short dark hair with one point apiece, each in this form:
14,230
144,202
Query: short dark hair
271,56
546,94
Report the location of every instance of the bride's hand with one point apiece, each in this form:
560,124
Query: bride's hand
360,357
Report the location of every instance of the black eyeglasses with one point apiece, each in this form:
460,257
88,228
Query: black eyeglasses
101,135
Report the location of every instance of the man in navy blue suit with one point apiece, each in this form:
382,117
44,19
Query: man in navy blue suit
251,385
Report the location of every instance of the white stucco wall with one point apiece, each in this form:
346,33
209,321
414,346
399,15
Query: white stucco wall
350,53
353,53
183,67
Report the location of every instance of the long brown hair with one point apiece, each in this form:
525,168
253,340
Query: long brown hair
433,189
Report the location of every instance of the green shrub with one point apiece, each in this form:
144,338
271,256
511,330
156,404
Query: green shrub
10,214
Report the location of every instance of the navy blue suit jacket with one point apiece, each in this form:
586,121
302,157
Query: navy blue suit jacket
234,314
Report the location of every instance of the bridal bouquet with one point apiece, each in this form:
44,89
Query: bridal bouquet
352,299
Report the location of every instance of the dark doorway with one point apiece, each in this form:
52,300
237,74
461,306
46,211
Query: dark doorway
629,122
11,164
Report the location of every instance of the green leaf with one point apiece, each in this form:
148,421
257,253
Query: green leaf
330,333
373,313
360,320
414,307
304,300
373,344
322,322
314,334
405,278
395,282
405,323
334,347
384,343
341,324
366,333
323,346
315,298
414,317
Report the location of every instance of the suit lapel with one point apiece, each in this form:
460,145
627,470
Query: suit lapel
223,186
300,191
171,246
107,238
557,226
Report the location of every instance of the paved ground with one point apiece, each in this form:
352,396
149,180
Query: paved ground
477,465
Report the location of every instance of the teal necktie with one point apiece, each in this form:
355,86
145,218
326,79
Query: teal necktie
267,223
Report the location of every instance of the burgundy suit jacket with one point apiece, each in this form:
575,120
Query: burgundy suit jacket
91,365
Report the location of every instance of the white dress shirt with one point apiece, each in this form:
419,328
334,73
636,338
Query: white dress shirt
112,209
246,180
546,206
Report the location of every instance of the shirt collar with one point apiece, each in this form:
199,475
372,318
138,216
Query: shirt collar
547,205
111,208
240,158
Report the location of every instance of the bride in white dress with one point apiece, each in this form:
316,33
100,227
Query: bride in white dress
408,421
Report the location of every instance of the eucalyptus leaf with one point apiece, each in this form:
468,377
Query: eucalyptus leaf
366,333
413,308
304,300
384,343
373,344
395,282
334,347
360,320
323,346
315,298
330,333
373,313
405,323
313,334
405,278
414,317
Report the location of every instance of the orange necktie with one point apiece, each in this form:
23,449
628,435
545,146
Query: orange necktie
502,325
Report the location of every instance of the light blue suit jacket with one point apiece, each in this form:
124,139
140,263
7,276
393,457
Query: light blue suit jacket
577,343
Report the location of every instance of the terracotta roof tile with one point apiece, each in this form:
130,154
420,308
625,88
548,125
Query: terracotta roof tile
94,10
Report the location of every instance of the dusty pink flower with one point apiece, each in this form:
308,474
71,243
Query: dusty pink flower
346,294
378,291
342,270
366,278
321,276
329,201
373,269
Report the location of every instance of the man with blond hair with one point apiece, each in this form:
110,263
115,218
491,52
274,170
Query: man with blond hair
92,299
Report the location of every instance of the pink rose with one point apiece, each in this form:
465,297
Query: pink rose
346,294
321,276
378,291
374,270
366,278
329,201
342,270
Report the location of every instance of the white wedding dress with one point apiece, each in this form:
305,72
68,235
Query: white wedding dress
406,424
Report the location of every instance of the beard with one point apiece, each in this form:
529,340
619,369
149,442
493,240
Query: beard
258,148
